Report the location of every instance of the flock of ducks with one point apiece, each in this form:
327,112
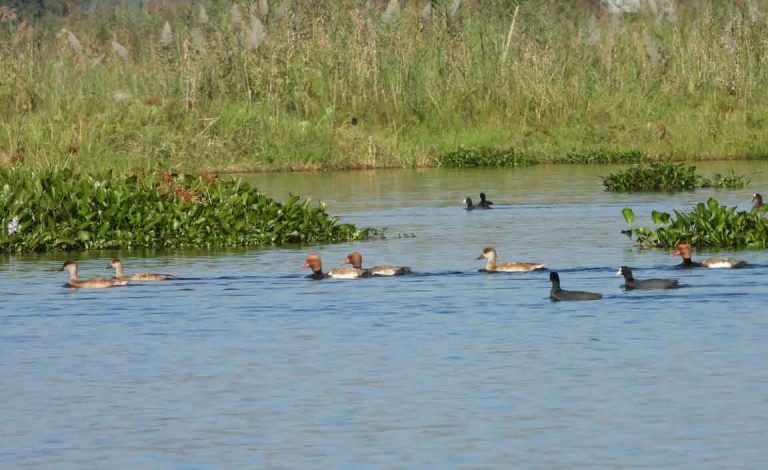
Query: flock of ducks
355,259
120,279
557,293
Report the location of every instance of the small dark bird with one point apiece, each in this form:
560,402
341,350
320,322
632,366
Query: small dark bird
484,202
757,202
632,283
559,294
468,202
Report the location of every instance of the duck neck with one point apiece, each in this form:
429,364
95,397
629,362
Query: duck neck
490,265
319,274
119,270
688,262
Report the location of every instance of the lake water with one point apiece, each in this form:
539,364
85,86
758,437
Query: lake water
242,362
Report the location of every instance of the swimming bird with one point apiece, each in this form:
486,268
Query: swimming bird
96,283
119,274
757,202
356,260
468,202
559,294
684,250
632,283
313,262
489,253
484,202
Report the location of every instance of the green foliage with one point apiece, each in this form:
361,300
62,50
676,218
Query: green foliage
335,85
475,157
484,157
602,157
656,176
67,211
708,225
730,181
669,177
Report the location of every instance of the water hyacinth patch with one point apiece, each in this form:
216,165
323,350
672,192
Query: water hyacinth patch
708,225
668,177
485,157
62,210
477,157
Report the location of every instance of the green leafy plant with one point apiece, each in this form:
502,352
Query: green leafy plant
485,157
729,181
476,157
602,157
62,210
656,176
708,225
669,177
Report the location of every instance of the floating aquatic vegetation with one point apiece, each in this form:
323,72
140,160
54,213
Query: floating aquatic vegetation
709,224
667,177
475,157
62,210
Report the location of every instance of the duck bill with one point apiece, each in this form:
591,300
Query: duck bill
618,273
675,253
306,266
346,261
480,257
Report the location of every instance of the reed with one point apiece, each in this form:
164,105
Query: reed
306,85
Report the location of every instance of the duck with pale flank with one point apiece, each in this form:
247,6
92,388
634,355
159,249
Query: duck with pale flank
314,263
684,250
95,283
484,202
631,283
558,294
757,202
489,253
470,206
117,265
356,260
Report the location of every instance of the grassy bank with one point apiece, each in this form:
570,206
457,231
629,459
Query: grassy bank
330,85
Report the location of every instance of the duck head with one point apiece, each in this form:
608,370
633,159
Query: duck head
624,271
115,263
313,262
70,266
682,249
355,259
488,253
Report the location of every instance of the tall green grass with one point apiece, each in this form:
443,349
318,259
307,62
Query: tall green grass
331,85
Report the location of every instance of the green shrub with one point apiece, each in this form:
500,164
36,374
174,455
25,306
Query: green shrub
62,210
708,225
485,157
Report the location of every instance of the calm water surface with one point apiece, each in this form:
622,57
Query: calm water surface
243,362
